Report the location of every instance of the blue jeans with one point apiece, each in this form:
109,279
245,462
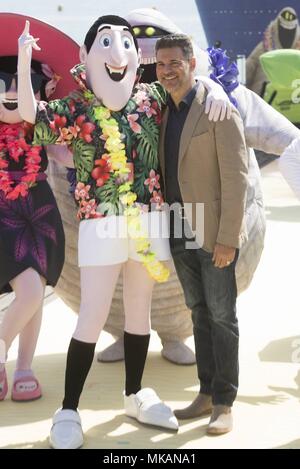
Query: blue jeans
210,292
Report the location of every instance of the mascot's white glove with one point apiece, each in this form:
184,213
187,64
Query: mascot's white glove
26,99
289,165
218,105
26,42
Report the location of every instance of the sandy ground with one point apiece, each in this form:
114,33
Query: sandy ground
267,409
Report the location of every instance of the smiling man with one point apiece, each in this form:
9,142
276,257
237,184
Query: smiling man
205,163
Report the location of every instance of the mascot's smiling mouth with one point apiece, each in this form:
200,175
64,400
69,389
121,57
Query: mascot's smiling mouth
116,73
10,105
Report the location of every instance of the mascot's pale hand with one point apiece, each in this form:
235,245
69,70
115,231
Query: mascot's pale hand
218,105
26,42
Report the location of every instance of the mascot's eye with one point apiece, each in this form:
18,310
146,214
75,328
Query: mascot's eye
127,42
150,31
137,31
105,40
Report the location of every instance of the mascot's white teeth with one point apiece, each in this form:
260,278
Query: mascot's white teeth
116,74
148,61
10,104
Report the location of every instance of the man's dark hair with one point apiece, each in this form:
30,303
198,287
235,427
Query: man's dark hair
107,19
176,40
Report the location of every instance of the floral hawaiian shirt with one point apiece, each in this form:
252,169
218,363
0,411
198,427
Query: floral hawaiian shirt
75,121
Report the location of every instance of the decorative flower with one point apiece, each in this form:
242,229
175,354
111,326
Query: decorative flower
128,198
85,128
88,209
3,164
152,181
140,96
224,71
157,199
20,190
145,107
5,182
31,227
82,129
87,94
82,191
101,172
13,145
132,118
66,135
157,112
101,113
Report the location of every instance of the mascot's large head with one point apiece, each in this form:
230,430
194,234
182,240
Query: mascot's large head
50,75
111,57
148,26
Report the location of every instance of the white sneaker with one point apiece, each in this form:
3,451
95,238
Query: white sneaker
66,431
146,407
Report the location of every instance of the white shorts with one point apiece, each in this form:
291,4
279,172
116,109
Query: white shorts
105,241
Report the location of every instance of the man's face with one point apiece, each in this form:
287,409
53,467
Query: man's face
111,66
173,70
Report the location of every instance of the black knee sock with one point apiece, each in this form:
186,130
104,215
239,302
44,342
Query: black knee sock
79,361
135,351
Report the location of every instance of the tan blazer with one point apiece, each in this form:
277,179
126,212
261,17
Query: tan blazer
212,169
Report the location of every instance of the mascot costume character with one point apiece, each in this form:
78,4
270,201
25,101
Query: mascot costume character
282,33
282,92
31,231
111,124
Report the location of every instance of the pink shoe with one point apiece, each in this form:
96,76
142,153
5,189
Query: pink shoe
3,385
26,389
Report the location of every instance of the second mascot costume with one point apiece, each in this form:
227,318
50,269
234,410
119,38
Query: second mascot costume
282,33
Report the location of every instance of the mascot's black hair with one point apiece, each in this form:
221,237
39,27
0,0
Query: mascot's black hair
107,19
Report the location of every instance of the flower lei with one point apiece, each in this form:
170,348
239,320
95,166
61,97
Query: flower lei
112,164
224,72
14,146
116,158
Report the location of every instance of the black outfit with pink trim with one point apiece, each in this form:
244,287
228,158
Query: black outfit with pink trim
31,230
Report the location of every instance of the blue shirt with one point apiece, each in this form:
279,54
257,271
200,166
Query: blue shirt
175,124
